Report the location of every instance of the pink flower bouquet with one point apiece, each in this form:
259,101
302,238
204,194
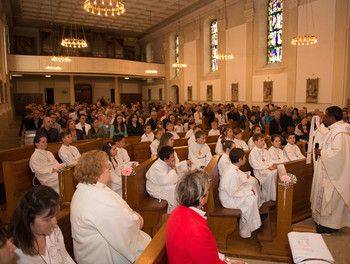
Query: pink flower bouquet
61,167
127,171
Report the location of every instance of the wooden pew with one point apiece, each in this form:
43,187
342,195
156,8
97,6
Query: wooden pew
246,131
222,221
182,134
141,151
133,139
267,129
234,124
155,252
136,196
67,184
63,221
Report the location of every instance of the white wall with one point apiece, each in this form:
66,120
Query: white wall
190,72
279,89
154,91
216,90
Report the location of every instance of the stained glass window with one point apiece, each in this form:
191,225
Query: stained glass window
274,31
177,59
214,45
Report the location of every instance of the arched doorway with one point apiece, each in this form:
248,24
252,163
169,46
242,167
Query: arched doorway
174,94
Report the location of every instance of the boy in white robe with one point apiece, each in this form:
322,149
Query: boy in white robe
158,133
170,128
235,192
192,139
123,157
240,143
67,153
275,152
225,159
148,135
189,132
162,176
44,164
256,129
214,131
264,169
292,151
199,153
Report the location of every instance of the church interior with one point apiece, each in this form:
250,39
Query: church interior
208,51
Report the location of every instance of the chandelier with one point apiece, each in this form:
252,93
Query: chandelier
60,59
179,65
304,40
151,71
100,6
224,56
52,67
73,40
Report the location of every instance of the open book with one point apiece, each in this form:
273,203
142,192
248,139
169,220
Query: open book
309,248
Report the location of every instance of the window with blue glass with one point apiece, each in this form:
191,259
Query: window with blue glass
214,45
274,31
177,59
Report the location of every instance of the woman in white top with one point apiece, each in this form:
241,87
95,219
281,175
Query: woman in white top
34,228
116,180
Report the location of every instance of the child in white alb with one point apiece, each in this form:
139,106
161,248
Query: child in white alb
192,139
179,128
116,180
67,153
199,153
276,153
189,132
122,156
292,151
214,131
148,135
224,161
264,169
240,143
170,128
256,129
226,134
158,133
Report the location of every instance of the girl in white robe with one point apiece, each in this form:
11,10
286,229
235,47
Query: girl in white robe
199,152
275,152
256,129
226,134
116,180
158,133
240,143
68,154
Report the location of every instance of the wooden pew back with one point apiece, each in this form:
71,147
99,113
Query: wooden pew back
141,151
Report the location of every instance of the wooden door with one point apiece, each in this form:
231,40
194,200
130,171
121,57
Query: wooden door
23,99
83,93
130,98
49,94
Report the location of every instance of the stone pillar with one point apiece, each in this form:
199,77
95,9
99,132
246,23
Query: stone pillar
71,89
249,17
116,91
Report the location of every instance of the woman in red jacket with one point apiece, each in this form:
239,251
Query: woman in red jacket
188,238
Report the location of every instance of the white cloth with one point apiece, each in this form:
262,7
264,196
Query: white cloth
240,144
213,132
41,163
123,157
191,140
223,163
104,228
175,135
189,133
56,252
333,203
181,166
251,144
260,161
154,147
147,137
219,148
69,154
277,155
235,191
116,180
179,128
292,152
199,154
87,127
161,182
198,117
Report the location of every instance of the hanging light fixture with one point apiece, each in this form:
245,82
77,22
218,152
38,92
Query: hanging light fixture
108,7
60,59
74,41
224,56
53,67
307,39
179,65
151,71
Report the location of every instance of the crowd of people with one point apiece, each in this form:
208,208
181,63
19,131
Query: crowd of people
105,228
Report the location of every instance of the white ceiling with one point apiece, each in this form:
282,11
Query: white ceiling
140,16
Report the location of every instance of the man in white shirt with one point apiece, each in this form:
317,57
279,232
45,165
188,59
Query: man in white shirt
199,153
292,151
162,177
236,191
67,153
264,169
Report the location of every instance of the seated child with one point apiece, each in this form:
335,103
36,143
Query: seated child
189,132
226,134
192,139
199,153
67,153
170,128
236,191
160,125
275,152
256,129
240,143
224,161
292,151
264,169
190,118
158,133
162,176
302,129
122,156
214,131
148,135
179,128
116,180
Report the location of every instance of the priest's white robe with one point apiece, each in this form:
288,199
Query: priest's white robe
251,144
292,152
234,192
154,147
199,154
69,154
147,137
332,208
41,163
116,180
240,144
260,161
213,132
161,182
277,155
104,227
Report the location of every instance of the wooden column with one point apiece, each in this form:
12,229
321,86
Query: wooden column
71,89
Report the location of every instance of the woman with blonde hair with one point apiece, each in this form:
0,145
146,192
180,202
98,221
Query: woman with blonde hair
104,227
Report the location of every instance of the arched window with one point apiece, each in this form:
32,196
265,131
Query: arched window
274,31
177,59
214,45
